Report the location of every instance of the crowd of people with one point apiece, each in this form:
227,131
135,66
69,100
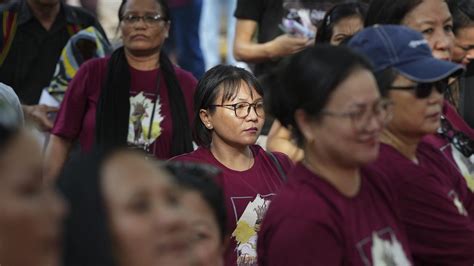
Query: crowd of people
367,108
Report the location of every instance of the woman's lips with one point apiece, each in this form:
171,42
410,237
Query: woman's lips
436,115
251,130
139,36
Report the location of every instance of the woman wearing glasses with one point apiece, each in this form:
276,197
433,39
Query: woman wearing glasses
435,204
229,116
136,97
334,210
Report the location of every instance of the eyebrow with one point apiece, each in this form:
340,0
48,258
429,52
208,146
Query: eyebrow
450,19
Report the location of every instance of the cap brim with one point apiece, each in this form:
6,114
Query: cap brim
429,70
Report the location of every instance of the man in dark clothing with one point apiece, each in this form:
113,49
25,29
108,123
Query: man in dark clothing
35,33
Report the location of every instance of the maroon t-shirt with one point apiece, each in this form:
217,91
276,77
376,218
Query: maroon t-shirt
246,192
435,205
311,223
76,116
463,164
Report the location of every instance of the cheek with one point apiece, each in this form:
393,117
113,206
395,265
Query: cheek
127,231
207,251
408,116
20,230
458,54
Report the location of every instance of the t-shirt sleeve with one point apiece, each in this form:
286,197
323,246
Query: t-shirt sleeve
250,9
70,116
297,242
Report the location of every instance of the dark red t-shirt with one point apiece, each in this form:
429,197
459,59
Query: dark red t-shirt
76,116
247,195
311,223
435,205
463,164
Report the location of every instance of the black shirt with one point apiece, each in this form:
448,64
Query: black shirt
268,15
31,61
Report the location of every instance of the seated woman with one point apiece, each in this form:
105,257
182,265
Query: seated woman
434,20
136,97
334,210
31,211
435,205
124,211
340,22
205,208
229,115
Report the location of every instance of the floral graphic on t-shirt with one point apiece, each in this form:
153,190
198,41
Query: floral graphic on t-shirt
144,127
388,252
457,203
246,232
465,165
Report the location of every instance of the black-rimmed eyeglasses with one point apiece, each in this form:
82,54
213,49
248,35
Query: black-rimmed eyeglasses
242,110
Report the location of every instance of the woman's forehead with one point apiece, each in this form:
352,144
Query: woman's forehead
142,6
232,91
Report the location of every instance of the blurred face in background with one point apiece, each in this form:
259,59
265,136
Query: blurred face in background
208,247
433,19
148,224
463,51
345,28
31,213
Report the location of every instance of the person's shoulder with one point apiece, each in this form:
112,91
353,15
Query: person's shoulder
197,155
183,75
96,67
96,63
282,158
292,202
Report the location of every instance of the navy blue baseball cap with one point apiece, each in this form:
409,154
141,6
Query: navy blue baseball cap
401,48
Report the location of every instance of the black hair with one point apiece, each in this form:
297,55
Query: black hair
87,239
221,77
201,178
389,11
463,14
385,79
307,80
113,107
336,14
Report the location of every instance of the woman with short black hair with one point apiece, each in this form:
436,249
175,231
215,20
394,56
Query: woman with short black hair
229,115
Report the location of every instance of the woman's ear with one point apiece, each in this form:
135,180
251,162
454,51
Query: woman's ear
306,125
206,118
